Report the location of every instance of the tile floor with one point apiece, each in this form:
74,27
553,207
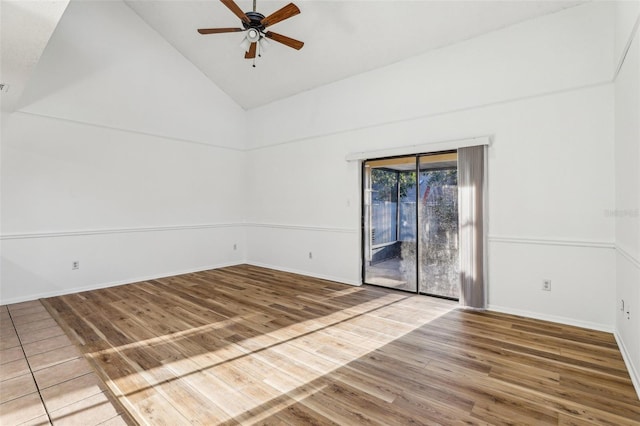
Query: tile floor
44,378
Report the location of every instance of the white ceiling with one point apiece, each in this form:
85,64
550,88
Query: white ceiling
342,38
26,29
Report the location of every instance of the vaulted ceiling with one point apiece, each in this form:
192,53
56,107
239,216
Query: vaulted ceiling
26,29
342,38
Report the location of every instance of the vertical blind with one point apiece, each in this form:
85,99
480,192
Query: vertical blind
471,202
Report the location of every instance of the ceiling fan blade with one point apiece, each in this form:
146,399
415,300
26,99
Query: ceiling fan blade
219,30
236,10
252,51
280,15
287,41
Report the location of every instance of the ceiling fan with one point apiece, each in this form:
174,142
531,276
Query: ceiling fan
255,24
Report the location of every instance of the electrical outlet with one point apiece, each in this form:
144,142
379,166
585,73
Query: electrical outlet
546,285
235,247
310,255
627,311
75,264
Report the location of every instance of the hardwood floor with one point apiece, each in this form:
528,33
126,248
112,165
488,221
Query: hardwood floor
245,345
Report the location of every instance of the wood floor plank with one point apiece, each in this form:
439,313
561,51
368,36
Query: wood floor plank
249,345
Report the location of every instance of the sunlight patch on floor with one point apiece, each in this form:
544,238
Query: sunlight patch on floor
320,347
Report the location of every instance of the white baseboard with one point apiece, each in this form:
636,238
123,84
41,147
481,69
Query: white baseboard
62,292
633,372
552,318
307,273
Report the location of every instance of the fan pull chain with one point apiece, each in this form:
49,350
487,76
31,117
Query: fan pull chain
259,55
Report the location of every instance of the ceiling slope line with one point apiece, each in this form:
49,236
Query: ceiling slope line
125,130
337,132
434,114
174,47
625,51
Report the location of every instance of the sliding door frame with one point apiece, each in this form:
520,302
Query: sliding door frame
363,221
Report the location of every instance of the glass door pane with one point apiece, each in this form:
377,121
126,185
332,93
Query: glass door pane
390,223
438,224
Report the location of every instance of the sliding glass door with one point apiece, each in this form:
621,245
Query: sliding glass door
410,224
438,223
390,223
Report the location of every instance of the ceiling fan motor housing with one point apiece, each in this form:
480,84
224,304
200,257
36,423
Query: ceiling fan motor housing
256,23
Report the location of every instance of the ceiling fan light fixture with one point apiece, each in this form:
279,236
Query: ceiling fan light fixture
245,43
253,35
264,44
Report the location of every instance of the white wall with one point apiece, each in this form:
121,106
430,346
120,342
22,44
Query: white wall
627,183
104,65
542,89
571,48
123,157
97,150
